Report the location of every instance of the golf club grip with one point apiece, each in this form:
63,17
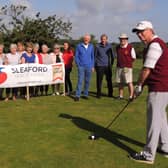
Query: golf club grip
108,126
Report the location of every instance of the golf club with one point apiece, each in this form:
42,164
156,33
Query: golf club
93,136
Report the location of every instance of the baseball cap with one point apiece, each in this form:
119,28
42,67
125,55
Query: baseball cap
123,36
142,25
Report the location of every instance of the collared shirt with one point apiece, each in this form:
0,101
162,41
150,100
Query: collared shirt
153,54
157,80
84,57
86,46
104,55
133,54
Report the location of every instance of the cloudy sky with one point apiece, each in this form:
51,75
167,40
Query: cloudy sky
103,16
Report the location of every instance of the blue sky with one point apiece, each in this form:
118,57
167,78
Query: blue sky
103,16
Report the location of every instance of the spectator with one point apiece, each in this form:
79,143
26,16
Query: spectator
47,59
20,48
125,58
20,51
2,62
154,73
104,59
38,56
56,58
12,58
84,58
38,60
68,59
28,57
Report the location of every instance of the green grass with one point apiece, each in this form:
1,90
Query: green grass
52,132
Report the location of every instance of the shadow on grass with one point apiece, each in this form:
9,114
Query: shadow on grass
111,136
94,94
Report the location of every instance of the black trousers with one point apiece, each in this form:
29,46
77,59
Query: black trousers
14,91
68,83
100,72
23,91
45,89
37,89
1,93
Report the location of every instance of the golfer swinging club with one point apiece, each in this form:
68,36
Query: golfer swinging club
155,74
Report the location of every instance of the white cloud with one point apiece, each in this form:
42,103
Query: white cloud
92,6
106,16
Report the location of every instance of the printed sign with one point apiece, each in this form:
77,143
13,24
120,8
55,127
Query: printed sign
31,75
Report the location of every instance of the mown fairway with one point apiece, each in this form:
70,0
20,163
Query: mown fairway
52,132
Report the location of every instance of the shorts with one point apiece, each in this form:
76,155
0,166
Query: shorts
124,75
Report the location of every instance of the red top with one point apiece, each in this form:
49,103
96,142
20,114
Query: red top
40,58
158,78
68,58
124,58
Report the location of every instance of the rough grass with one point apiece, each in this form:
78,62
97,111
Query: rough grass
52,132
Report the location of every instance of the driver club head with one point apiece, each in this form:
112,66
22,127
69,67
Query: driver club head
93,136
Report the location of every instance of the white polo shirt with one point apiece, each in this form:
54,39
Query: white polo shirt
153,54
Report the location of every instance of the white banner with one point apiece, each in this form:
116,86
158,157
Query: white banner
31,75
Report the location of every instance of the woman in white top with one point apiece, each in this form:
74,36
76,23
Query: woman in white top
12,58
2,62
20,51
56,56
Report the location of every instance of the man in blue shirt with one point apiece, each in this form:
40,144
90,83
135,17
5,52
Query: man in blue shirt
84,58
104,59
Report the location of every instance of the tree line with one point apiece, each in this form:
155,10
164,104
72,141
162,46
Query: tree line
16,26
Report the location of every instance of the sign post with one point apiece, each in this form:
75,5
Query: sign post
27,93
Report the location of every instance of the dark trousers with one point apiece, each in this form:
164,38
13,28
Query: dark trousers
100,72
68,83
45,89
14,91
24,91
37,88
1,93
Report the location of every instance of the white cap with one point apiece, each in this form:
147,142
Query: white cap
142,25
123,36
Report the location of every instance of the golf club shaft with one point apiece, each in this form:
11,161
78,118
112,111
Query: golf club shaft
108,126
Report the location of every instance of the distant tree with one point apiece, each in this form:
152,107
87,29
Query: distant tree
16,26
139,48
93,39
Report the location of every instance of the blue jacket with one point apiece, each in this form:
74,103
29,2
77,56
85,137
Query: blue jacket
104,55
84,57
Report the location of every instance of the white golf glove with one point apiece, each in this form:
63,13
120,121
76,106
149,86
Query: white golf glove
137,90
